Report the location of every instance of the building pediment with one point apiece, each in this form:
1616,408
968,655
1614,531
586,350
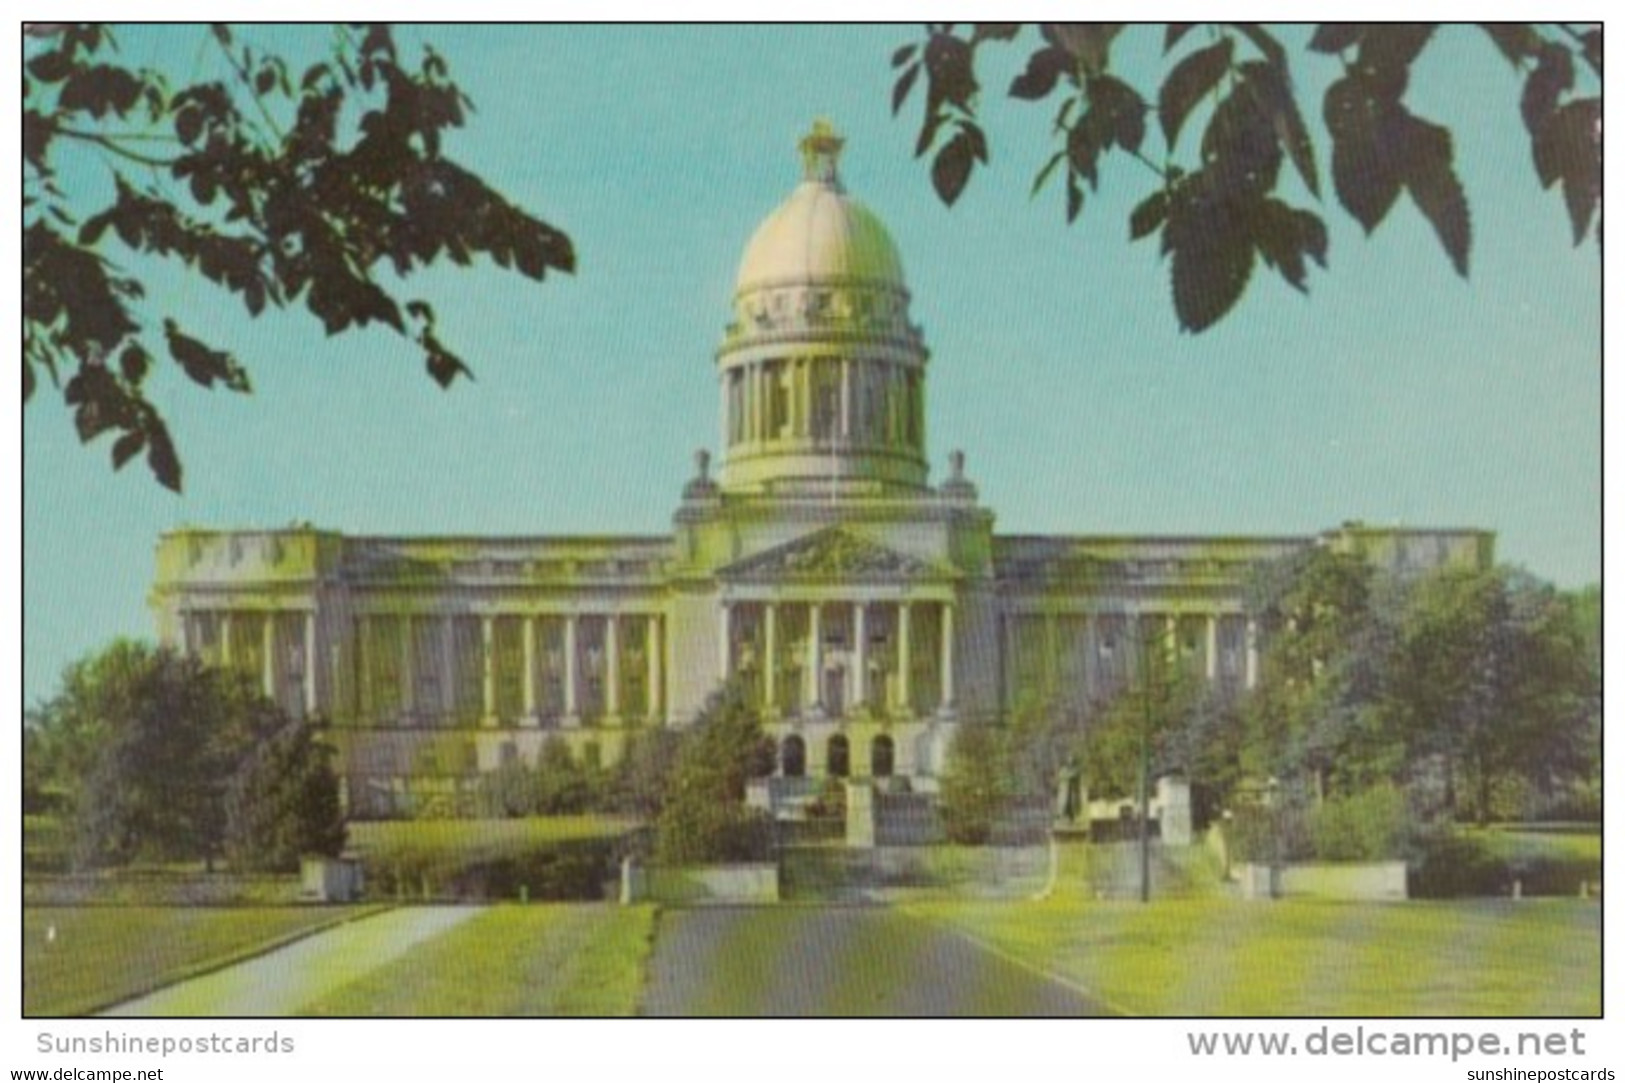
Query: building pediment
836,554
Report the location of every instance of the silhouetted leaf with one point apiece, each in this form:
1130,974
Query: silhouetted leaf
128,447
51,67
1335,37
1430,175
951,169
1209,270
1591,45
1273,93
1074,197
994,32
1364,170
1284,236
1265,43
1173,35
905,83
1515,40
161,457
203,364
1553,75
1044,68
903,55
134,362
100,90
948,63
1119,112
1393,47
1083,147
1568,147
1191,79
1239,147
1148,217
1089,43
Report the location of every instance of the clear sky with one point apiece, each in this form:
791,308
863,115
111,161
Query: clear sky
1395,392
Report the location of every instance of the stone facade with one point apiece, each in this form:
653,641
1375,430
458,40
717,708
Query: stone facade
868,613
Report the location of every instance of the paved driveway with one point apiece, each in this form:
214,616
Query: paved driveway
837,961
282,982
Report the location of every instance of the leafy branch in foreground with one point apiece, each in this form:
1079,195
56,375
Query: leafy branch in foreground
321,189
1221,213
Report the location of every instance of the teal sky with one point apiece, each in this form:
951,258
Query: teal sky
1395,392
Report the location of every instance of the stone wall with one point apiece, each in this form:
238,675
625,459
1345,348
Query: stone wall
702,885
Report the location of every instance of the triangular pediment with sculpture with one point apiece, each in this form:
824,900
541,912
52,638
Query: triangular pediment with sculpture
836,554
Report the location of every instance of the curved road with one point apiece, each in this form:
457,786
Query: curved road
281,982
837,961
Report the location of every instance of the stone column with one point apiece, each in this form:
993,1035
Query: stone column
225,639
1171,624
905,661
860,634
488,672
268,663
612,678
947,680
846,399
528,632
310,664
725,641
409,689
1051,662
652,651
758,416
815,660
1212,647
448,668
727,409
1252,652
572,667
770,661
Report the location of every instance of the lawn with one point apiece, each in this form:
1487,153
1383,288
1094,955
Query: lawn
1209,957
99,956
565,959
478,839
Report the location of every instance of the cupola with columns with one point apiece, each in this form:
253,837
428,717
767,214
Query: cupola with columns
822,373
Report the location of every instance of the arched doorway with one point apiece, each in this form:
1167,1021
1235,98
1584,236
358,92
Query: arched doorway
882,757
793,757
839,757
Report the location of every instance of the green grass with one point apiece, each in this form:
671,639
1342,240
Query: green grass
475,840
102,955
1207,957
1576,848
584,960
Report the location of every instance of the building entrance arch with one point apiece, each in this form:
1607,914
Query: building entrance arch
793,757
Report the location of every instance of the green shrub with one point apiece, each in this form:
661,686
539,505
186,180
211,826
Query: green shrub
1372,825
510,791
562,786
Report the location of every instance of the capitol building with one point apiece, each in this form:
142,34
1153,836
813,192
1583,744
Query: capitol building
869,612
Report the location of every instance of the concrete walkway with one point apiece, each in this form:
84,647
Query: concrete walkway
837,961
283,981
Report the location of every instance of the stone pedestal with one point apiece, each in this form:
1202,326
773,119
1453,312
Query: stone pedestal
860,815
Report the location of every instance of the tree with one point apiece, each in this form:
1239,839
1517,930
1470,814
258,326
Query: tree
318,189
561,784
283,803
1491,672
978,783
703,817
144,743
1219,212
